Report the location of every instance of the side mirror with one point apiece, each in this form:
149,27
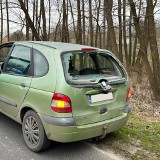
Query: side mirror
1,66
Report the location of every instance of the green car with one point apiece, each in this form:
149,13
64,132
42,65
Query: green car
62,92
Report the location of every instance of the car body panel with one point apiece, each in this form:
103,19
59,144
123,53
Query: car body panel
85,113
12,91
86,120
77,133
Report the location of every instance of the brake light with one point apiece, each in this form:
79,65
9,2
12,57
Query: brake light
88,49
128,95
61,103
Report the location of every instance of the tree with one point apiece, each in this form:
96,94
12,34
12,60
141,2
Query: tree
7,19
154,71
27,25
111,36
125,34
65,37
1,20
17,36
44,35
120,29
90,22
79,24
84,22
29,21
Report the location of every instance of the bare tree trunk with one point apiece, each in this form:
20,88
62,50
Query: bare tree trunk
134,51
33,17
27,26
74,27
79,26
153,82
39,22
90,22
84,24
49,19
100,38
44,21
125,34
57,26
30,23
136,41
130,40
1,20
67,29
36,10
104,27
153,44
97,25
120,30
64,24
108,4
144,29
7,20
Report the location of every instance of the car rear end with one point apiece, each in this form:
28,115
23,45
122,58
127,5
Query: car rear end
91,96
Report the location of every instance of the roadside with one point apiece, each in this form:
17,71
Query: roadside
140,138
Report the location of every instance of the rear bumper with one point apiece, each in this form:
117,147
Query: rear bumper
76,133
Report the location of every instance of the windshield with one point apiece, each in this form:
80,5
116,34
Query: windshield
86,66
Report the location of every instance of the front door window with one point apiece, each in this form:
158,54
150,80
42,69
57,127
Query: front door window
19,61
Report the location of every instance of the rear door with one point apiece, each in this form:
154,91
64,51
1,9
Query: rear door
15,79
88,73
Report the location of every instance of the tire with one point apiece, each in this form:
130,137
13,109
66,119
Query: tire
33,132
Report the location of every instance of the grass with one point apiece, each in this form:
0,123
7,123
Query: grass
139,139
147,132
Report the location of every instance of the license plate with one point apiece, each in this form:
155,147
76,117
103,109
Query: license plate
100,97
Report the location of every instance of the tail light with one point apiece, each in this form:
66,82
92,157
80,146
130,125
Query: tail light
88,49
61,103
128,95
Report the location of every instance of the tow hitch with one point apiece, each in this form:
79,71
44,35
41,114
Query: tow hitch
104,132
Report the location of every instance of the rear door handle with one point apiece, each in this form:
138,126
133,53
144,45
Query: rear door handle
23,85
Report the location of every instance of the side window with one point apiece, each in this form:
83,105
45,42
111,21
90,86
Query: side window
19,60
40,64
4,52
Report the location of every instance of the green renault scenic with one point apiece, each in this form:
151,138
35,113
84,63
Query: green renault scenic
62,92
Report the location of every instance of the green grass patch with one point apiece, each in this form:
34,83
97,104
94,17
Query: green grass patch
147,132
137,139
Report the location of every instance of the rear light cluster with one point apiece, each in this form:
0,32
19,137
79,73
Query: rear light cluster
61,103
128,94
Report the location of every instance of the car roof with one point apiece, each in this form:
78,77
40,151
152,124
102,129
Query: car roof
61,46
57,45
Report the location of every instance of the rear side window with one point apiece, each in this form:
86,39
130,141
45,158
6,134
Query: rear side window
40,64
90,65
19,61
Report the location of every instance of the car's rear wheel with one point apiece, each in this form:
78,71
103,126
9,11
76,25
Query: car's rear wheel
34,133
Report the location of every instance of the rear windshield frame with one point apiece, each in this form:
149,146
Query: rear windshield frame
111,55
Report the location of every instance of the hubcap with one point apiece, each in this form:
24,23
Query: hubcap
31,130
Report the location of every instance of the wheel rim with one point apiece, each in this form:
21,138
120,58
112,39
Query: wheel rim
31,131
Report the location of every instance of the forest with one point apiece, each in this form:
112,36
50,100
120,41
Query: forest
128,28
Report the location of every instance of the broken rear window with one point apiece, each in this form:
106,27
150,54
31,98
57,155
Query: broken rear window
90,65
